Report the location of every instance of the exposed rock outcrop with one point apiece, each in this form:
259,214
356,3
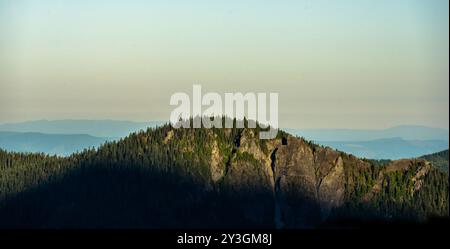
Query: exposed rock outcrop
307,181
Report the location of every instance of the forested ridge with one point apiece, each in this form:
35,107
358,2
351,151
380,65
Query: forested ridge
439,160
172,178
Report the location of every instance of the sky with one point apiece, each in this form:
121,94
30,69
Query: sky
334,64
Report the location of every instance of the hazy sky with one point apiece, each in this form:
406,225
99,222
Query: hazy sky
335,64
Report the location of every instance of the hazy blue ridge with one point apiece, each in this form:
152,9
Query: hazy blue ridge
406,132
389,148
52,144
98,128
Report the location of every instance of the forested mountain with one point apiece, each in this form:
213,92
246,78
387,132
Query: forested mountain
439,160
206,178
64,137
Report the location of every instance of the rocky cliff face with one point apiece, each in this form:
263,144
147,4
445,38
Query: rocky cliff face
307,182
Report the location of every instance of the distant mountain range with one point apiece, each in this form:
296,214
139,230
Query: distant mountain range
406,132
394,143
63,137
389,148
52,144
97,128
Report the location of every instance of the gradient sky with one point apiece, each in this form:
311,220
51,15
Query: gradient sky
335,64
